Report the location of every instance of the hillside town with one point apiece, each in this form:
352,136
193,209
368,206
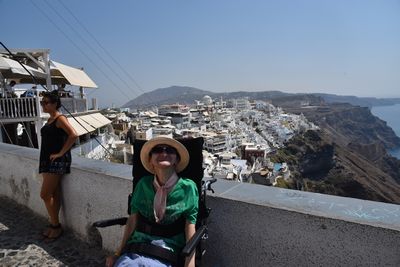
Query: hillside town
239,135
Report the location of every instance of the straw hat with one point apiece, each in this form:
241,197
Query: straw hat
163,140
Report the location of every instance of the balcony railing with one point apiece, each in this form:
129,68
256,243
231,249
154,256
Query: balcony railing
28,107
73,105
14,108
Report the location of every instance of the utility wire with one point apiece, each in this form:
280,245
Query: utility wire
88,44
77,47
102,47
15,109
5,130
105,50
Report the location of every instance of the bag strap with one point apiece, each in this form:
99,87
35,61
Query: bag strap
146,226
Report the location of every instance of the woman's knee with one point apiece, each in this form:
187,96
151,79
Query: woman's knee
45,195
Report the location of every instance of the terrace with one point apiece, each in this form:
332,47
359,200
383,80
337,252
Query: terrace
251,225
34,67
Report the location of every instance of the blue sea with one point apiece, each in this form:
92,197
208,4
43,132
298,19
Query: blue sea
390,114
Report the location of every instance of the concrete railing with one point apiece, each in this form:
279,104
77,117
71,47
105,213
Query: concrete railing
250,225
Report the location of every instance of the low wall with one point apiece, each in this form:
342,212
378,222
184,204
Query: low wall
94,191
250,225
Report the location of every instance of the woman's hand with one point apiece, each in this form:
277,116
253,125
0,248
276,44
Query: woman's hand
128,230
110,260
55,156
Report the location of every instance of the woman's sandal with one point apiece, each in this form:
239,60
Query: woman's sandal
50,238
45,233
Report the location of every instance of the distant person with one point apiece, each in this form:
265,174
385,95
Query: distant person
30,92
61,87
161,198
62,92
58,136
10,89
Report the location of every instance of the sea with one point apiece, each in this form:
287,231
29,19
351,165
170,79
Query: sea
390,114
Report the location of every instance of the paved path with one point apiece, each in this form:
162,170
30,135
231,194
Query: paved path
21,244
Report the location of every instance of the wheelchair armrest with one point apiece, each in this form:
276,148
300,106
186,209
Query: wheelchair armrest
110,222
194,241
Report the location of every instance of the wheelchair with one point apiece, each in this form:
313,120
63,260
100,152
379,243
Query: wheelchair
193,171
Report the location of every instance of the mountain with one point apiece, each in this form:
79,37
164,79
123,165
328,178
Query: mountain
169,95
188,95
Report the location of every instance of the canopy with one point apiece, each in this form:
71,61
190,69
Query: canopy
60,73
12,69
73,76
90,123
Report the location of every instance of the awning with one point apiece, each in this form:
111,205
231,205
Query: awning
12,69
100,119
88,123
73,76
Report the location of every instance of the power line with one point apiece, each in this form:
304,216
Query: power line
101,46
77,47
88,44
5,130
106,51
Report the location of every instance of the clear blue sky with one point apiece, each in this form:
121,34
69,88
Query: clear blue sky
333,46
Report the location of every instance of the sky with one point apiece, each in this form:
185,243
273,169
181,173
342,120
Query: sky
345,47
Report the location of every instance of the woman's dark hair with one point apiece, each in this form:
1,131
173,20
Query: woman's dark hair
53,98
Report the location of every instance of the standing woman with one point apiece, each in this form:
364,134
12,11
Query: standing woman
58,136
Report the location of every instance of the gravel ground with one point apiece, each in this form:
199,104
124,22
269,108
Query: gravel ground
21,243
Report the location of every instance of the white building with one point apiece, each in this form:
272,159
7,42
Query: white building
214,143
242,103
144,134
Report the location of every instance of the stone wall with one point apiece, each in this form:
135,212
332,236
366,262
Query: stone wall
250,225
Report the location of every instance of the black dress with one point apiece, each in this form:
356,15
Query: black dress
53,139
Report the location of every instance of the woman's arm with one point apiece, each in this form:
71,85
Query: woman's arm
62,122
190,230
129,228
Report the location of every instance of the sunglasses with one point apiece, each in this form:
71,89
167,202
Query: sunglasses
161,149
43,103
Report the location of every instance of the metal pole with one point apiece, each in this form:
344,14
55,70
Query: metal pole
46,60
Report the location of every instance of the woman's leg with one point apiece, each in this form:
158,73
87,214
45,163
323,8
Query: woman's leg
51,195
57,200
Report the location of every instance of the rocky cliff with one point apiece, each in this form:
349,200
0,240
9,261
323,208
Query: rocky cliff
347,157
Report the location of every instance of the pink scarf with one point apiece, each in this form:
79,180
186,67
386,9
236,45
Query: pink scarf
162,191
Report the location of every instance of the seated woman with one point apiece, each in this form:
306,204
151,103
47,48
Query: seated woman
162,198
